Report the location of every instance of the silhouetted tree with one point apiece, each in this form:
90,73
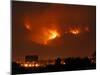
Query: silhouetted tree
58,61
94,57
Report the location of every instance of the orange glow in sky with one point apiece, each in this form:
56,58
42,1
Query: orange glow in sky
87,29
45,35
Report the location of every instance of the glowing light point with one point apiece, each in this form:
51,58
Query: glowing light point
28,27
29,65
37,65
86,29
25,65
33,65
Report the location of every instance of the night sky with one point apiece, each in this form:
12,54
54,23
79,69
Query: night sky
52,30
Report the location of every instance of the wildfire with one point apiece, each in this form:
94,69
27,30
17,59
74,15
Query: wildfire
53,34
50,34
75,31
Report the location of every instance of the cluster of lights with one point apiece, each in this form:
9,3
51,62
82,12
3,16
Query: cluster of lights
30,65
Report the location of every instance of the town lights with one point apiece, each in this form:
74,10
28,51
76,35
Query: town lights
30,65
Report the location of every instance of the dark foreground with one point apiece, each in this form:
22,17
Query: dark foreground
70,65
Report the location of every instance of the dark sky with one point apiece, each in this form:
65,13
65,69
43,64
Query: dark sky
32,21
